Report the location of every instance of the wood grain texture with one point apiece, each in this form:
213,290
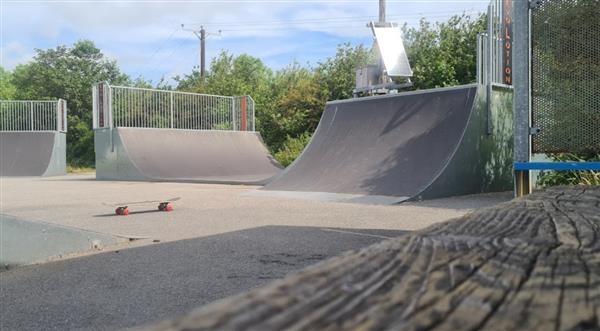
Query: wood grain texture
528,264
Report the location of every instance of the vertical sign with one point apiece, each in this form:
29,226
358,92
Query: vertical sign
244,114
62,115
100,105
507,35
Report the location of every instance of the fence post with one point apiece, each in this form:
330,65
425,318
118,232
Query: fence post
253,114
522,89
58,115
109,101
31,115
63,115
490,70
171,109
233,102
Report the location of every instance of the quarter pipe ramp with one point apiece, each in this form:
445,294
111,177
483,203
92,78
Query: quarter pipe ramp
413,145
208,156
32,153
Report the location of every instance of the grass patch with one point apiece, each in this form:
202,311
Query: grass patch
79,170
292,148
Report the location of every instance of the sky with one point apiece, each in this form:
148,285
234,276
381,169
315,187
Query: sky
147,39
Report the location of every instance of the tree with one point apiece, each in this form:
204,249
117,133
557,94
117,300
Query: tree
444,54
296,108
7,89
337,75
69,73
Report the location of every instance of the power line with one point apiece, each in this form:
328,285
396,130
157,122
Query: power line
293,25
333,19
320,27
163,44
177,47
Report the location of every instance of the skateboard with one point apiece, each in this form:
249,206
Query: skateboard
123,207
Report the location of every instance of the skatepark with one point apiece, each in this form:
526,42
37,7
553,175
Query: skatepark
400,212
64,229
222,217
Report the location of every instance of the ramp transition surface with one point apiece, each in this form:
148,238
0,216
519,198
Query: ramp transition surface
233,157
32,153
27,241
413,145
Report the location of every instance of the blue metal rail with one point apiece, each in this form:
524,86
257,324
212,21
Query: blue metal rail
560,166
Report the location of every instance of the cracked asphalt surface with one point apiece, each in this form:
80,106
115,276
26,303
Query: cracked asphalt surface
137,286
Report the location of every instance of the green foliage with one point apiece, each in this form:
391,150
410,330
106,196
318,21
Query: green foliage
296,106
553,178
69,73
289,102
7,88
444,54
337,75
292,148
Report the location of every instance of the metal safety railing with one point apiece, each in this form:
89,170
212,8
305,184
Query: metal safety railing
30,115
120,106
489,68
494,46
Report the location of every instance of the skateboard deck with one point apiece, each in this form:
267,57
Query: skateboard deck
123,207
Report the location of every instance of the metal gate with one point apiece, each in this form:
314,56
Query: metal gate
565,76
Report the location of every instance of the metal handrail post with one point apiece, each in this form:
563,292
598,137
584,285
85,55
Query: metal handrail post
171,109
31,115
58,117
110,109
233,103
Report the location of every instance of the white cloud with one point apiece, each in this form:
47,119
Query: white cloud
13,53
145,37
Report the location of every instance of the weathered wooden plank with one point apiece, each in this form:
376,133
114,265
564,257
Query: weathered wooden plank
530,264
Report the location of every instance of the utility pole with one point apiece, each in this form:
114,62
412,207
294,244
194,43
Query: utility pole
201,34
202,37
382,12
382,76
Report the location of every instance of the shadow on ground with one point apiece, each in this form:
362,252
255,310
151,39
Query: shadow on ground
471,201
142,285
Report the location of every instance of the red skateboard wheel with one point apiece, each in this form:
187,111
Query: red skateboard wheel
165,206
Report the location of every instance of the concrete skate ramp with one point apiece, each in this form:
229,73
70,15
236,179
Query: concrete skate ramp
28,241
388,149
231,157
32,153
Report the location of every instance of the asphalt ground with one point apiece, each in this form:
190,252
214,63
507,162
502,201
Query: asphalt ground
136,286
80,201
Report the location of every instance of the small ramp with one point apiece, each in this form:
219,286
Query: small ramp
26,241
206,156
33,153
414,145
